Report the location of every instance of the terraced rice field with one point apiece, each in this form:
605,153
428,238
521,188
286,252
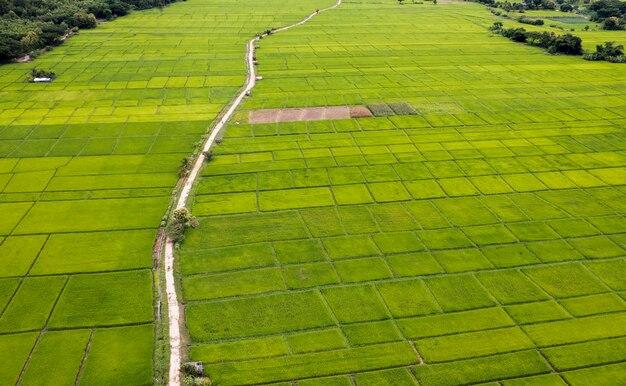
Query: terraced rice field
88,164
479,241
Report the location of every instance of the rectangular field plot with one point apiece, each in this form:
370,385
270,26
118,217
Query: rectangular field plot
92,252
258,315
57,357
15,349
105,299
119,355
32,303
92,215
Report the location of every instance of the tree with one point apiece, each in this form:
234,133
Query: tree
400,2
609,52
84,20
180,220
566,44
32,40
610,49
612,24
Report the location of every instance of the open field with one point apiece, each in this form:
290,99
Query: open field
481,240
87,167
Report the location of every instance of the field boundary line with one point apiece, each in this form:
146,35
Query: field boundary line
83,360
174,311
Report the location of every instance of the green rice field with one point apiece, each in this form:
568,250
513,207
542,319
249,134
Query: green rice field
88,164
480,241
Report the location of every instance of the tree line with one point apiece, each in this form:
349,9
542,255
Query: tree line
567,44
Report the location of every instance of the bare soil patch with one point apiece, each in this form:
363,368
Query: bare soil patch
307,114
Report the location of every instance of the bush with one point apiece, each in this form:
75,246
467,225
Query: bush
51,33
527,20
609,52
556,44
604,9
185,167
496,27
566,44
84,20
515,34
118,8
39,73
613,24
566,8
180,220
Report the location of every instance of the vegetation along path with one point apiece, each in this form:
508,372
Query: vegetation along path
172,299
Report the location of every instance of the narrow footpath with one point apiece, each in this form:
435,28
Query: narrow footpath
172,298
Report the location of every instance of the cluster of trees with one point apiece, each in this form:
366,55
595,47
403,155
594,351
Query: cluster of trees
29,25
555,44
609,52
611,13
567,44
527,20
521,7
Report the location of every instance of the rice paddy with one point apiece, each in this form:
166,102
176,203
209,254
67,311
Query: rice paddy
88,164
478,239
472,231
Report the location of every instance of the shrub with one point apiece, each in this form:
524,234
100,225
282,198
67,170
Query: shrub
39,73
566,44
566,8
32,40
604,9
84,20
180,220
609,52
556,44
185,167
515,34
527,20
613,24
496,27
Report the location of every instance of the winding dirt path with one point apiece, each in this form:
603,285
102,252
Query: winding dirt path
174,313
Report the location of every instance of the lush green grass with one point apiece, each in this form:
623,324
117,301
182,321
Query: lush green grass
116,356
45,368
88,164
487,229
257,316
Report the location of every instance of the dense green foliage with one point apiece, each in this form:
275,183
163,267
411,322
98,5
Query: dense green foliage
528,20
555,44
609,52
520,6
610,13
28,25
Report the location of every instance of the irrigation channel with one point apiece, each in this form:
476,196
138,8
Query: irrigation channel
174,313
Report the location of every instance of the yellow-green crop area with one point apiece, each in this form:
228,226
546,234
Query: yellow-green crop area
87,167
480,240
